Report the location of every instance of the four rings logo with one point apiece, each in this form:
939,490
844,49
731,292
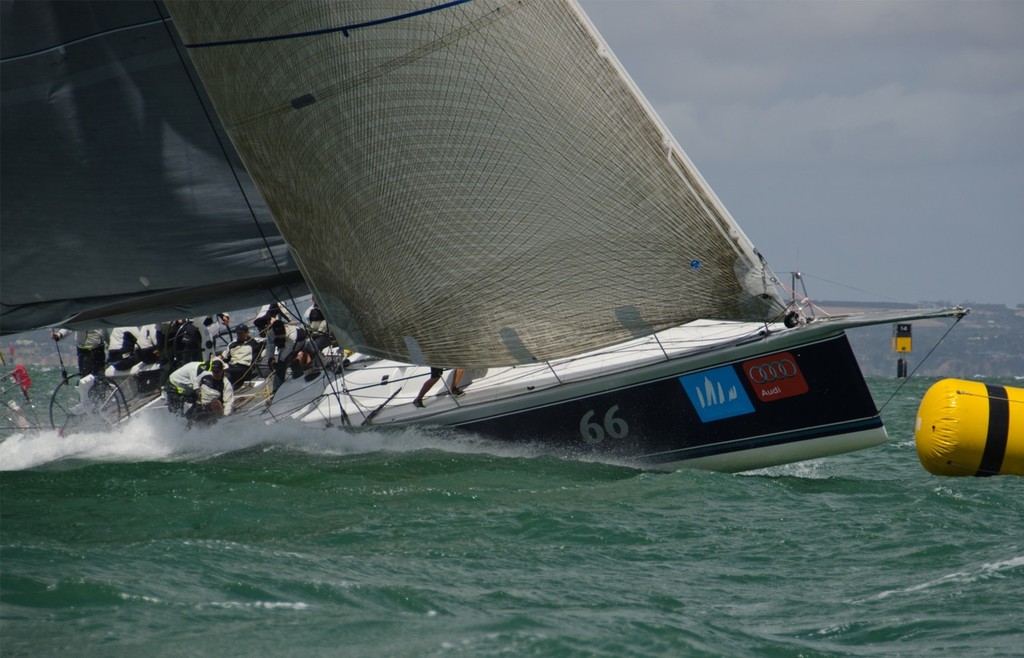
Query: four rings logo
772,371
775,377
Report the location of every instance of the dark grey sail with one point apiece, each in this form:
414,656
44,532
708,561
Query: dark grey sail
121,200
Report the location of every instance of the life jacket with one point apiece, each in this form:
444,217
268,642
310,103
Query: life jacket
209,381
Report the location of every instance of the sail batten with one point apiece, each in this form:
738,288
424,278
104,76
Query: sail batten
482,181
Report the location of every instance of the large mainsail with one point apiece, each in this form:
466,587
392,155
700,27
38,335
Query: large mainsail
120,198
469,183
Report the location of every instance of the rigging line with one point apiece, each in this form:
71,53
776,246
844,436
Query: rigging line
804,300
977,470
768,278
88,37
916,368
843,285
234,174
224,151
332,382
344,29
227,160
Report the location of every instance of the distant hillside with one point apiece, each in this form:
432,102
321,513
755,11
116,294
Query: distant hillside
989,342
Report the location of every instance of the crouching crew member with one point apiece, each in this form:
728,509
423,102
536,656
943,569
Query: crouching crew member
182,386
215,396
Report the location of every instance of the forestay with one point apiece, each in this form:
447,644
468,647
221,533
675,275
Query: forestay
472,183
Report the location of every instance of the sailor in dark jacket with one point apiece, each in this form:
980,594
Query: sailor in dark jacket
284,341
187,344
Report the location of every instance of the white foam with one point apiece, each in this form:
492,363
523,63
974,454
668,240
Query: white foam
812,469
159,436
981,572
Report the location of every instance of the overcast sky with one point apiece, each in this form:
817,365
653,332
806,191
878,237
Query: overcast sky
878,147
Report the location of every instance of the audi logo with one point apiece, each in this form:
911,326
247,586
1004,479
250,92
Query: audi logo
772,371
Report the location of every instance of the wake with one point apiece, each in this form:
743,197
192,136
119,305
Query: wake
159,436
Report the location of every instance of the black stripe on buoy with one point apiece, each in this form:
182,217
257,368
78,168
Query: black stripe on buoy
998,431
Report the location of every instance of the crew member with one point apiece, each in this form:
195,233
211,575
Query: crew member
187,344
435,374
267,315
182,386
150,342
121,351
91,344
319,334
240,355
215,396
285,341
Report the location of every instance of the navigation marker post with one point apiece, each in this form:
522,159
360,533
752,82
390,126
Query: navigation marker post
901,344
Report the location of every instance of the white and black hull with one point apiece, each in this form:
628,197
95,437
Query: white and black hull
816,404
761,399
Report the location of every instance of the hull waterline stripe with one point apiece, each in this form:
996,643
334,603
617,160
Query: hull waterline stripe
874,422
344,29
998,431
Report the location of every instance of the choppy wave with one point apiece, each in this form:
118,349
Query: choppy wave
246,539
158,436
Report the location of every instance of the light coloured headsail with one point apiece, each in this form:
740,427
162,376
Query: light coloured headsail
470,183
122,201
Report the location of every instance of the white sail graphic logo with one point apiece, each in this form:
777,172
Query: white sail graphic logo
710,397
716,394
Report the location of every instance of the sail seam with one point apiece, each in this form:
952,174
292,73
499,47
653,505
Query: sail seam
344,29
333,91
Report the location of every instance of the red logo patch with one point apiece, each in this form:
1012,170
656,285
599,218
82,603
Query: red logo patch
775,377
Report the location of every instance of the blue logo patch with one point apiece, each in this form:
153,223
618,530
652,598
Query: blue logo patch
717,394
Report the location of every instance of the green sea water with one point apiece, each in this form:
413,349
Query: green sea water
291,541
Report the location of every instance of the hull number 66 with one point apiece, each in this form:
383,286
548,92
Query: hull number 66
594,432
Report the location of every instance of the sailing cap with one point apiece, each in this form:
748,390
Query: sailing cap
242,327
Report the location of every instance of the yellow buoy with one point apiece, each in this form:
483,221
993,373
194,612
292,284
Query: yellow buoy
971,428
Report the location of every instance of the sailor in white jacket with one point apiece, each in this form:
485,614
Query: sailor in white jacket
149,344
121,352
215,396
205,386
182,385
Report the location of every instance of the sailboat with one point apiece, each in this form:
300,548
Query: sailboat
481,186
